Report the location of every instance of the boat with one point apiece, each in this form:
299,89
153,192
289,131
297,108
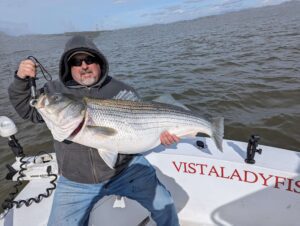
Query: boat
246,184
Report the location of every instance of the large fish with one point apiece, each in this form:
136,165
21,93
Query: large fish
120,126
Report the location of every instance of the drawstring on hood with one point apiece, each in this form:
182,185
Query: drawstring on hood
75,44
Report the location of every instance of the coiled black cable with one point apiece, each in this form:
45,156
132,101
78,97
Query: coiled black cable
10,202
18,151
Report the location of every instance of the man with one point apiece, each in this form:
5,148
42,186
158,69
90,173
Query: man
84,176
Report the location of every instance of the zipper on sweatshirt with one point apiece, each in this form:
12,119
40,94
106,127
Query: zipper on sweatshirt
93,165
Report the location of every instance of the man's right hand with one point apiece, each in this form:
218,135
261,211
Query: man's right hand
27,68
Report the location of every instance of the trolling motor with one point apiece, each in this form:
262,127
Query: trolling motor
8,129
252,149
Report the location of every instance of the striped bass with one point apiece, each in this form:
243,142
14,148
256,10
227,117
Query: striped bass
120,126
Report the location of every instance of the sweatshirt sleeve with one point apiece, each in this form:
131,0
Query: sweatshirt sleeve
19,95
129,94
124,91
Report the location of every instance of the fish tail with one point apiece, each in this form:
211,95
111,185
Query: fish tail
218,132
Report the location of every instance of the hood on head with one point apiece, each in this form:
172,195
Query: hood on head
82,44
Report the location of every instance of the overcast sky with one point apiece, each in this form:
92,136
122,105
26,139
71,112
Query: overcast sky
58,16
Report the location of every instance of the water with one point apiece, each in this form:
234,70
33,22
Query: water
243,66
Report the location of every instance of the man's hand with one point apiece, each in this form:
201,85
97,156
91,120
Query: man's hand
27,68
167,139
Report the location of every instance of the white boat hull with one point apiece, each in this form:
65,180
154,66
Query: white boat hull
208,187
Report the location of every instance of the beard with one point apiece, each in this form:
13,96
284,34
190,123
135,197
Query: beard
87,78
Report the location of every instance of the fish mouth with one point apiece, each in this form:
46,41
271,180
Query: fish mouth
41,101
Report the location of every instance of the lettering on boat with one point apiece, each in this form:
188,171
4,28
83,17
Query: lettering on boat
245,176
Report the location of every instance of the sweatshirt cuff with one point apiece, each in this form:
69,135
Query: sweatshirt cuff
18,78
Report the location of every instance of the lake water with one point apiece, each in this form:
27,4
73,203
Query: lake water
244,66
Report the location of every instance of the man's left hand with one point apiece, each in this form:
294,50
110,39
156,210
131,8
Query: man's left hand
167,139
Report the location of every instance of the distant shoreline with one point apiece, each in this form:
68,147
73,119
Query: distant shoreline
96,33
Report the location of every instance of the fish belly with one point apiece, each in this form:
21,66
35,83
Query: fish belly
122,142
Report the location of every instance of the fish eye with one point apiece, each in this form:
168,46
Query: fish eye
56,97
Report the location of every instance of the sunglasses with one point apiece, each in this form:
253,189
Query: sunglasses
88,60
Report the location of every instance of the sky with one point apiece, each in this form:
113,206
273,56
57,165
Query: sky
18,17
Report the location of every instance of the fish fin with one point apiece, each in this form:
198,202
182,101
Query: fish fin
102,130
89,120
109,157
218,132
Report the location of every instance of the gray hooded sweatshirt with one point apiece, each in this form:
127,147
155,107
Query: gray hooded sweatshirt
76,162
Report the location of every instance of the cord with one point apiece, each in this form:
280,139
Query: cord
10,202
43,69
